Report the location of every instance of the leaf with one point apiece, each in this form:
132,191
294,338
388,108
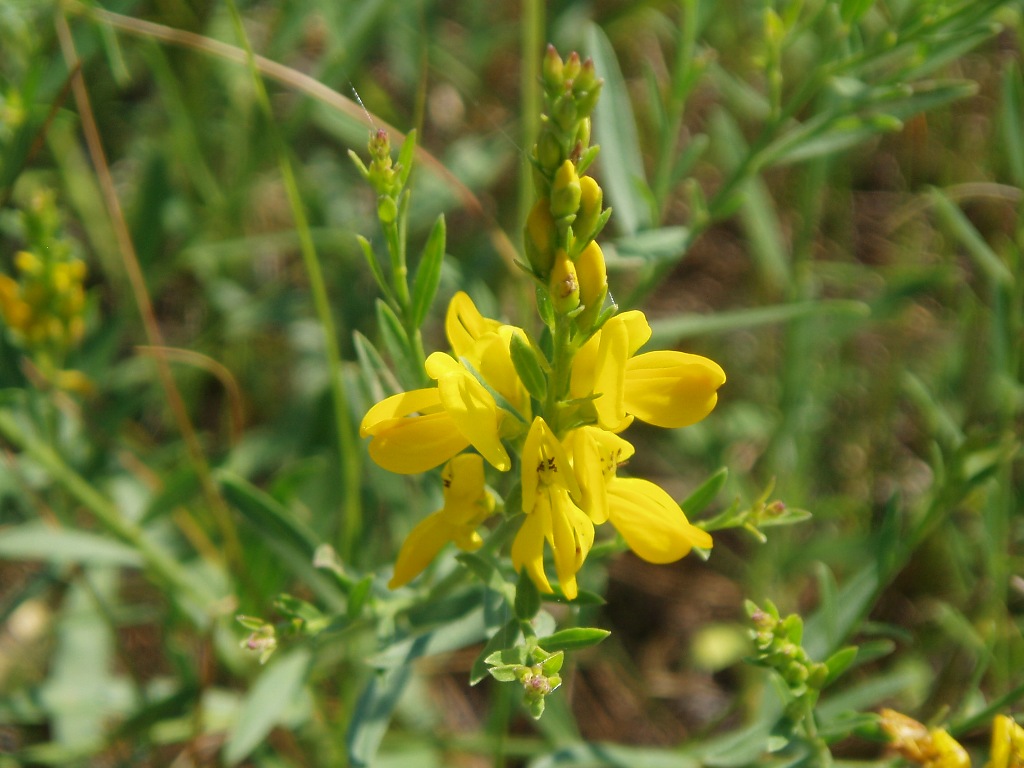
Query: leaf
428,272
504,638
987,260
452,636
839,662
573,639
287,536
706,493
1012,122
266,703
396,341
662,244
622,165
372,714
527,601
669,331
851,11
62,546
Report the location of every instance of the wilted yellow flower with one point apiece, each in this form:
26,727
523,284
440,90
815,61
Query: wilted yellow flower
551,498
931,748
466,504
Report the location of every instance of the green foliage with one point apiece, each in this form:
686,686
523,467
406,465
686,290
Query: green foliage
822,195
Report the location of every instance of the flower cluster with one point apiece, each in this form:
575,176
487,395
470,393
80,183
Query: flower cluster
43,306
555,407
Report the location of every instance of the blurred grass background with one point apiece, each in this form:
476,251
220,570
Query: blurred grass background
822,196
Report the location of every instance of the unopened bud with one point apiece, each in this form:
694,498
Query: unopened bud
591,200
592,275
540,237
572,67
552,69
565,191
563,285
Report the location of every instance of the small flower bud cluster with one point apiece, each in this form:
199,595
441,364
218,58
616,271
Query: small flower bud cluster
777,644
43,307
386,177
569,212
262,638
538,678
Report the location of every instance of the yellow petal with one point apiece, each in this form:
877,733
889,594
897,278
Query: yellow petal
652,523
475,415
637,327
528,547
610,376
397,407
412,445
587,466
466,500
671,389
419,548
464,324
572,536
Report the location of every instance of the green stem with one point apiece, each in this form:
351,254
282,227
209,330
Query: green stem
349,454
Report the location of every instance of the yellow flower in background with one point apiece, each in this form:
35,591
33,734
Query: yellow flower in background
650,521
665,388
551,498
466,505
1007,744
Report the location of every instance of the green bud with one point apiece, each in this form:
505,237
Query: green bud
387,209
552,69
572,67
583,133
586,79
549,151
565,191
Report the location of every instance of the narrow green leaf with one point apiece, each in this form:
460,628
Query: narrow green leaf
573,639
528,367
985,258
395,341
504,638
1012,120
851,11
428,273
622,165
661,244
37,541
669,331
405,157
452,636
374,264
527,601
839,662
266,703
705,493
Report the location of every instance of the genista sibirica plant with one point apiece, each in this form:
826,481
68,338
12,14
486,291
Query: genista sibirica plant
551,411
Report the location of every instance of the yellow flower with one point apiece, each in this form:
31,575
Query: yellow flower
411,432
466,504
1007,744
419,430
652,524
550,500
666,388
